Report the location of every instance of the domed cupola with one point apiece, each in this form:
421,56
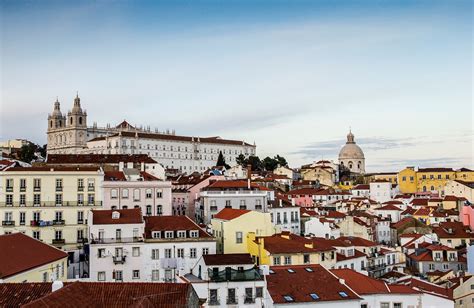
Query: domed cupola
351,155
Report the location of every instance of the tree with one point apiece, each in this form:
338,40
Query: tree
27,152
270,164
281,161
241,160
221,161
255,163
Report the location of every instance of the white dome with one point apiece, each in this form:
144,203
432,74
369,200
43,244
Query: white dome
351,150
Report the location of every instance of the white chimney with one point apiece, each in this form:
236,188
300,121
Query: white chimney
293,202
342,281
56,285
281,203
248,183
416,245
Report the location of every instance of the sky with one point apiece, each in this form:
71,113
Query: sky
293,76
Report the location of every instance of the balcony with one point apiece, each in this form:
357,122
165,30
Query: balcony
60,241
90,188
119,259
234,275
80,221
231,301
37,188
8,223
81,240
249,300
35,223
22,189
117,240
58,222
49,204
59,188
9,189
80,188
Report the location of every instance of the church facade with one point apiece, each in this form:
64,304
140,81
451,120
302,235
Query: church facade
68,133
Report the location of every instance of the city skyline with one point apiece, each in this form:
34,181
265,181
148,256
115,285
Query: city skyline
292,78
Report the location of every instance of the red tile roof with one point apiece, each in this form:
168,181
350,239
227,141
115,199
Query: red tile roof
450,198
229,214
361,187
118,294
20,253
234,184
300,283
361,284
52,169
435,169
453,229
228,259
128,216
172,223
430,288
75,159
357,241
14,295
357,254
335,214
389,207
419,201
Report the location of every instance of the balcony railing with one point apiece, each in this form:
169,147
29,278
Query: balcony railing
235,275
249,300
231,301
59,188
119,259
117,240
90,188
9,189
8,223
22,189
51,204
80,188
58,222
60,241
37,188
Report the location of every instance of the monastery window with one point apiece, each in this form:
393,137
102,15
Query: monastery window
447,176
432,188
125,193
113,194
148,193
148,210
80,120
424,188
136,194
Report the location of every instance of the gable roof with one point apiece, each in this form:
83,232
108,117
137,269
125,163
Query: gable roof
229,213
117,294
20,253
14,295
388,207
172,223
128,216
301,282
75,159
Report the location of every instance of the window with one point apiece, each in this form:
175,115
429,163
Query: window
148,210
136,194
22,184
136,251
45,277
169,234
22,199
58,235
155,254
80,199
36,235
101,276
231,300
287,260
148,194
248,296
167,253
397,305
205,251
194,233
36,184
314,296
101,252
90,199
80,184
288,298
159,210
259,292
36,199
155,275
80,235
80,217
181,234
125,193
22,218
306,258
213,298
384,305
156,234
159,193
118,234
238,237
118,275
9,185
59,199
180,252
135,274
276,260
343,294
90,184
192,253
113,194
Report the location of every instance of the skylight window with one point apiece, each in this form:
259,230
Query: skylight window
271,271
290,270
288,298
314,296
343,294
309,269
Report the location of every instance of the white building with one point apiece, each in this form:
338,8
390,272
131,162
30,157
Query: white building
237,194
361,190
285,216
321,227
381,191
70,134
126,247
228,280
389,211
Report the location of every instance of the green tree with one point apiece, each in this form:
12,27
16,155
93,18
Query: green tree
281,161
255,163
241,160
27,152
270,164
221,161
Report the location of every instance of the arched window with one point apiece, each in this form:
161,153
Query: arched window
114,207
60,123
350,165
424,188
432,188
51,124
80,120
124,207
70,121
148,210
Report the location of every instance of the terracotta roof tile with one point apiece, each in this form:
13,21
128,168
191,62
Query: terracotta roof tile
128,216
172,223
13,295
75,159
229,214
20,253
228,259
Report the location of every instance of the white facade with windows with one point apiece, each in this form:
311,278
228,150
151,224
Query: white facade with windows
286,218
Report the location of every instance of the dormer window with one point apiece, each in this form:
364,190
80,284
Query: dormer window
115,215
181,234
156,234
169,234
194,233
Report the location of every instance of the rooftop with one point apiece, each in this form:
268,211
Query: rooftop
228,259
20,253
109,217
75,159
229,213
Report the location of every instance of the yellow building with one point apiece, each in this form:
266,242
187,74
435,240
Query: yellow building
24,259
325,175
391,177
431,180
289,249
50,204
231,226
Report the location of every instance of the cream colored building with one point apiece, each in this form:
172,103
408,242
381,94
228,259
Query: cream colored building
460,188
462,295
50,204
24,259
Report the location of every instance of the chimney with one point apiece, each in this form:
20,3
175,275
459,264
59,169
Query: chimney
342,281
249,172
56,285
293,202
248,184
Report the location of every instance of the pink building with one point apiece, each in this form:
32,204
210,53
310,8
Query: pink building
467,215
132,188
186,190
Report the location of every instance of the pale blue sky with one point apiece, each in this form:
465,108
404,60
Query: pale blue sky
290,75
